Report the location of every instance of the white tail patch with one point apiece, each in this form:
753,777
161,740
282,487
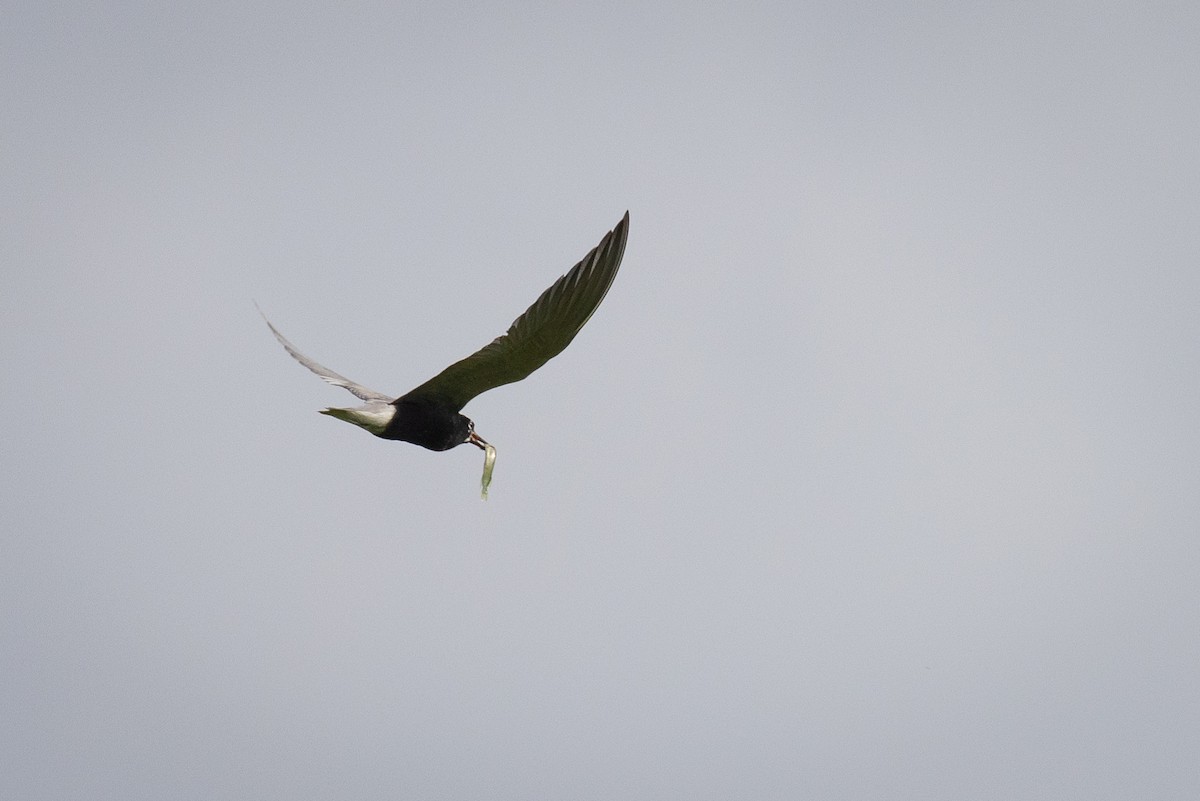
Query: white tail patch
374,416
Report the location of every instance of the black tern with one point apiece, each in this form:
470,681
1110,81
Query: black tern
429,415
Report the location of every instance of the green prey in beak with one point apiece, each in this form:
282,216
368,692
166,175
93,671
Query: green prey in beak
489,461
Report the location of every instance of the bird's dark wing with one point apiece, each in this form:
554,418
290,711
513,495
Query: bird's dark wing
539,334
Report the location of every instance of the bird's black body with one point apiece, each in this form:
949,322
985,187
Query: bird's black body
430,415
425,422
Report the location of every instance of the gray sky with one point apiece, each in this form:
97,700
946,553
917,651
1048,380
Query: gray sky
874,477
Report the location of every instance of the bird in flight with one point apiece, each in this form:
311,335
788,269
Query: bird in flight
430,415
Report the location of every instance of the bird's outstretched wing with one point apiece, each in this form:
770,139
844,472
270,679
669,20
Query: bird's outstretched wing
538,335
324,372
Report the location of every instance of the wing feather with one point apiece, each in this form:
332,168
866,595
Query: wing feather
538,335
324,372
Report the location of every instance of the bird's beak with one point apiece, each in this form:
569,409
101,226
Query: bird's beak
477,441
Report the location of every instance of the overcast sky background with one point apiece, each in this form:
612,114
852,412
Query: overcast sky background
875,475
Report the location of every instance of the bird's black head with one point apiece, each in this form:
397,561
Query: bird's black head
464,432
461,430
